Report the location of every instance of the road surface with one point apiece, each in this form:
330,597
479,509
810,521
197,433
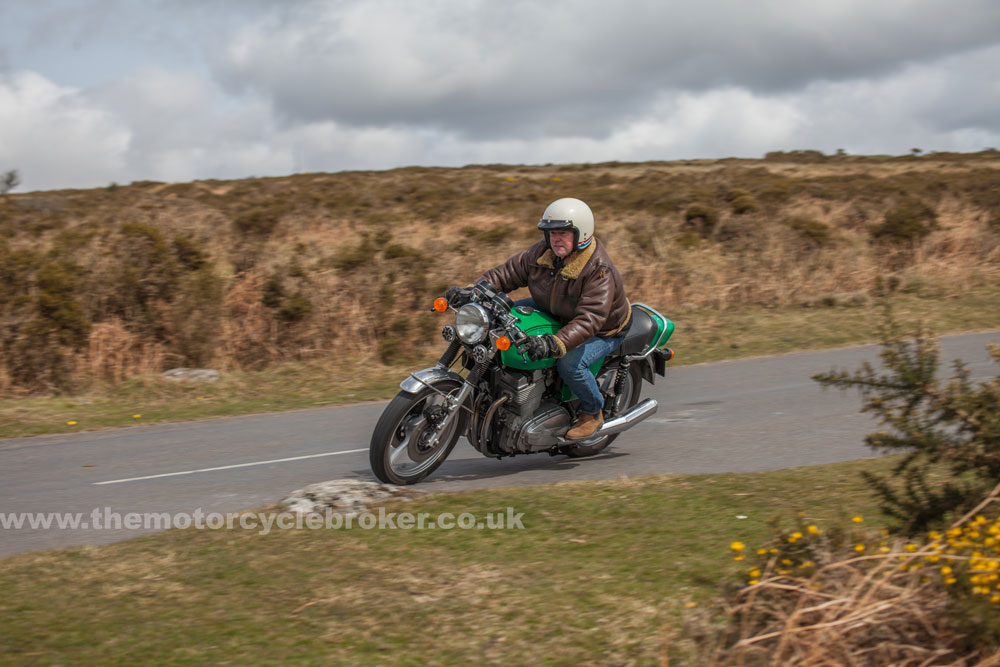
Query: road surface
733,416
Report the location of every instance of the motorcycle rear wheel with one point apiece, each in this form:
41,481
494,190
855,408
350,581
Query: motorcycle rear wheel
628,398
399,451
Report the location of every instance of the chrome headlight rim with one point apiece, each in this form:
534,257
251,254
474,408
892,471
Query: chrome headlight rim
472,323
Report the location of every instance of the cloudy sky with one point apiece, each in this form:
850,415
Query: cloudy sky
100,91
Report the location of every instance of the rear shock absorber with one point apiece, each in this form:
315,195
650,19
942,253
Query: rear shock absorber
620,378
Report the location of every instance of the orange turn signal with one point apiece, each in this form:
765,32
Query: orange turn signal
503,343
440,304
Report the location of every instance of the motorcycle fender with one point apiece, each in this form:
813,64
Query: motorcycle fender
428,376
655,364
646,366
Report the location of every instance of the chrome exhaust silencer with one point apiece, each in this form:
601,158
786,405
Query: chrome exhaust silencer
642,410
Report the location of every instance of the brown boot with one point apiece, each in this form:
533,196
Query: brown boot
585,426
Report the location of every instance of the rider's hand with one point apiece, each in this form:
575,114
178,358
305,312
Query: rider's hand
541,347
458,296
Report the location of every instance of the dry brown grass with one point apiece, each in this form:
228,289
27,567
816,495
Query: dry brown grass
368,250
114,353
873,610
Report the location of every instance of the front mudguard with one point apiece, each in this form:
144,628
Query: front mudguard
428,376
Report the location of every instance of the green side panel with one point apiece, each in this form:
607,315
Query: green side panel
535,324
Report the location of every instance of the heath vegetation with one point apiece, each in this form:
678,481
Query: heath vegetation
925,588
108,284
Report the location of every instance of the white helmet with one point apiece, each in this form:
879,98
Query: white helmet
569,213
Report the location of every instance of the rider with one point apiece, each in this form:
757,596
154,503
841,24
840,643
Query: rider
570,276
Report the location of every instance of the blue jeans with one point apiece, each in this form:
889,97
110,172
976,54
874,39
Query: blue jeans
574,368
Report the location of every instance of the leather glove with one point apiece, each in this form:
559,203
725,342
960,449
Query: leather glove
458,296
541,347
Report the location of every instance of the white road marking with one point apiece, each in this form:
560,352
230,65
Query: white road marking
238,465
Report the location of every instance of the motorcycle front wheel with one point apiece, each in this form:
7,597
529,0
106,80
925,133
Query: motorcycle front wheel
401,452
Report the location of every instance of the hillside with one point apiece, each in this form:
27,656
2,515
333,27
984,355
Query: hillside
125,280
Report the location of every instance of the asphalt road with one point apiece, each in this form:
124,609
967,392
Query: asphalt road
734,416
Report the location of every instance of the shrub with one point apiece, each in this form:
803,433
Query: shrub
907,222
742,202
490,234
37,361
16,271
295,309
804,156
687,239
274,292
400,251
349,258
195,315
145,274
389,350
260,221
702,217
852,596
955,425
189,253
57,307
815,232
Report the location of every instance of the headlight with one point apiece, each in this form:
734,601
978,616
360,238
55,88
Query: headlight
472,322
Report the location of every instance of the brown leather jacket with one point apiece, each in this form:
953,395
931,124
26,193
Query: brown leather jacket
586,295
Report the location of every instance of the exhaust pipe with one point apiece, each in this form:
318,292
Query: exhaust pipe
639,412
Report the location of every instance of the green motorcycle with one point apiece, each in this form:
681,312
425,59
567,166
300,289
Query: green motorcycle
506,404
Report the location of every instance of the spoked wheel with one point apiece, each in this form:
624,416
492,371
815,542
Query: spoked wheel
403,450
622,402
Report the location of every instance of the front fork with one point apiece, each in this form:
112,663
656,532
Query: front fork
483,356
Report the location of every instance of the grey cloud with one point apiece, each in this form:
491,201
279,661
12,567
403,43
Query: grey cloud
966,94
573,68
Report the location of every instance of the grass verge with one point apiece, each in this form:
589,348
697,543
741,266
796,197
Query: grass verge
602,572
701,336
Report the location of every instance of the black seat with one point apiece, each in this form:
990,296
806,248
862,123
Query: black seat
640,333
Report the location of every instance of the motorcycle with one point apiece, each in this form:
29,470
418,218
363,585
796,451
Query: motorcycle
507,404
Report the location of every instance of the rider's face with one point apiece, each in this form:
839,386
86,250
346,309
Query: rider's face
561,242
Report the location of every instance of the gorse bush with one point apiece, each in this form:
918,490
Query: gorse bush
954,425
817,595
850,596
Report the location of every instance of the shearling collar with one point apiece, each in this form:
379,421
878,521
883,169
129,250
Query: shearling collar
574,266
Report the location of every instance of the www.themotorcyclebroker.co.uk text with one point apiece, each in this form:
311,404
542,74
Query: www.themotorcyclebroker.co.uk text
104,518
